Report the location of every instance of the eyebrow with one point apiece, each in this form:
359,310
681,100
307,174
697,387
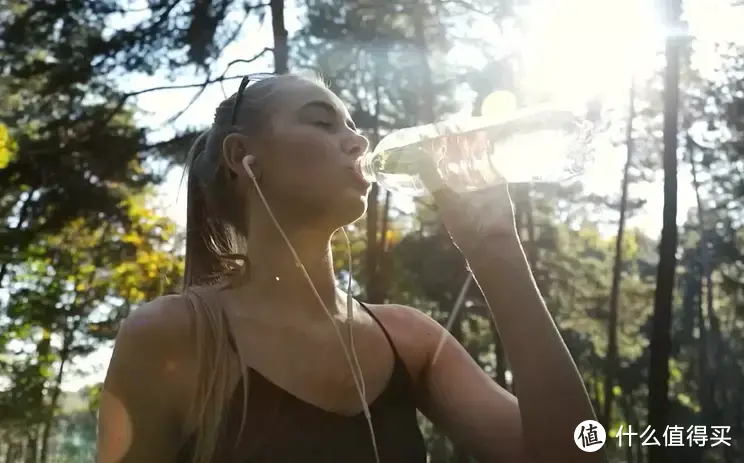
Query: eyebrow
330,108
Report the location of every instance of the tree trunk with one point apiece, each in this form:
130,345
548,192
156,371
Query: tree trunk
631,420
612,351
661,343
32,446
379,285
281,48
427,112
373,250
705,397
49,422
36,394
13,453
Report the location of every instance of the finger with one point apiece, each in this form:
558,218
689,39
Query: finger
429,171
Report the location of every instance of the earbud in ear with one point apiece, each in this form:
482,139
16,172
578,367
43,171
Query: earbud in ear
247,161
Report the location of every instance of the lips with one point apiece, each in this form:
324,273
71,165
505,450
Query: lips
358,179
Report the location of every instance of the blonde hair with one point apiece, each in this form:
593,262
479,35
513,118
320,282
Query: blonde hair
216,237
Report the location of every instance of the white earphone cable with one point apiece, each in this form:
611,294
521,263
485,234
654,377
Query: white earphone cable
351,359
350,312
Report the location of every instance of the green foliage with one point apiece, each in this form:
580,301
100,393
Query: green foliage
66,298
80,246
7,147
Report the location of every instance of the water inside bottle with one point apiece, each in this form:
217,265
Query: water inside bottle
475,159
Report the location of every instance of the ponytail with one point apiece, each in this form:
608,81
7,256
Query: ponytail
211,240
200,260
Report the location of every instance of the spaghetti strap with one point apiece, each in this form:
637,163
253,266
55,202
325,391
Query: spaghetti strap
382,327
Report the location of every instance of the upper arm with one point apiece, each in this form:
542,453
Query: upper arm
139,418
457,395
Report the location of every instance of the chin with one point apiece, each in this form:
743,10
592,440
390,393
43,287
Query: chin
351,208
332,211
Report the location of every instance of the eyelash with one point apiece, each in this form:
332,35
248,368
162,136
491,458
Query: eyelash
330,125
324,124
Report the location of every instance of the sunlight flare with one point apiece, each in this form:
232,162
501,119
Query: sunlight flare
581,49
499,104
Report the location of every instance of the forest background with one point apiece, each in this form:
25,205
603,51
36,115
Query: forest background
641,260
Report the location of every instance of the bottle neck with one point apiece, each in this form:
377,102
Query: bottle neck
365,166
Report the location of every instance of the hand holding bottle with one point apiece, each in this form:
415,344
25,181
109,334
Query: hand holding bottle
473,218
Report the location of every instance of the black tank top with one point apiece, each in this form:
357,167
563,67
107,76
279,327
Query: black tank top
281,428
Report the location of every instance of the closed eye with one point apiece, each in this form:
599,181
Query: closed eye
324,124
324,115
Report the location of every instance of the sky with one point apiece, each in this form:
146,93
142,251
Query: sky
570,54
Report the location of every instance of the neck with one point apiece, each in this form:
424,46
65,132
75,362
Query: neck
276,278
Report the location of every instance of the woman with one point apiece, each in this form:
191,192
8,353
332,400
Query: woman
246,366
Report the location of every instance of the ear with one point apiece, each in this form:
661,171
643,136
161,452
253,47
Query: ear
235,148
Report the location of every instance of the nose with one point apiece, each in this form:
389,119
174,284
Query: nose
355,144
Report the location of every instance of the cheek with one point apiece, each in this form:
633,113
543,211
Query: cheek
311,149
306,162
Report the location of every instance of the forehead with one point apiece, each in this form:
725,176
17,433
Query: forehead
293,94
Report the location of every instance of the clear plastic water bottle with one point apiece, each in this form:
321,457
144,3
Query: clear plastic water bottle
541,144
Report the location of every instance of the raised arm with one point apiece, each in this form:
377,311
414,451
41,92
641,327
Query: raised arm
551,393
537,426
142,405
552,399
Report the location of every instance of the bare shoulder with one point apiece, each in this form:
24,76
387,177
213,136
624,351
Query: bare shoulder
408,319
415,334
158,329
152,352
166,316
147,383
